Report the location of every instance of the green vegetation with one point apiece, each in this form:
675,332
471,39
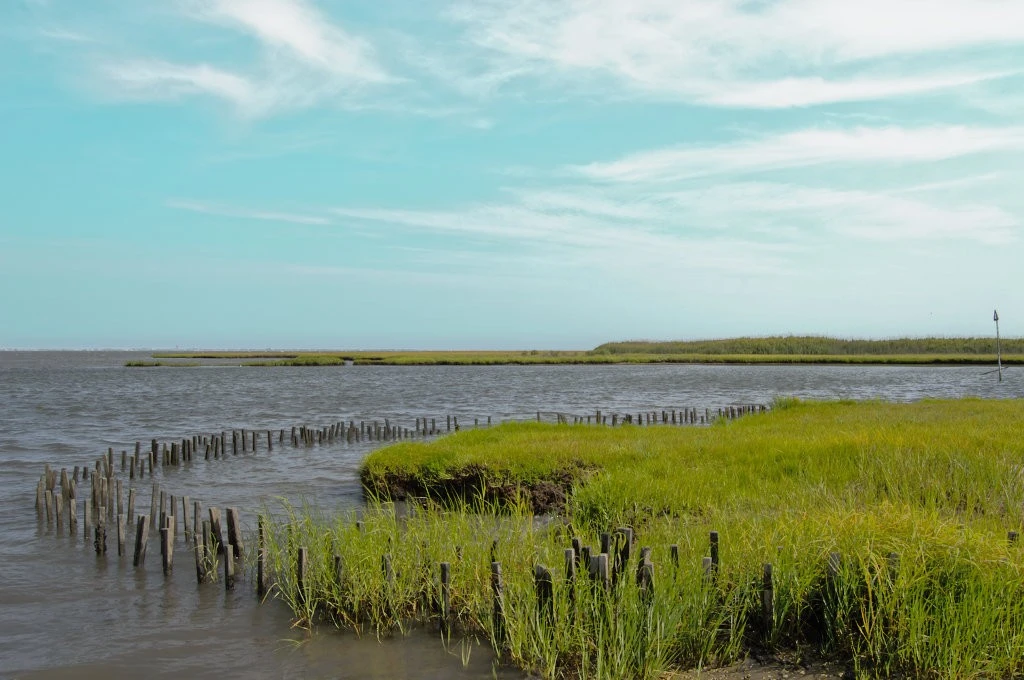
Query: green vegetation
813,345
774,350
150,364
917,499
225,355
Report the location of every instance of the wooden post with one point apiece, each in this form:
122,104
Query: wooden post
446,581
87,511
645,579
498,589
167,544
120,535
153,510
545,593
49,506
229,561
58,511
100,540
200,553
261,556
72,515
709,570
141,538
714,551
197,519
186,522
218,535
210,550
235,532
673,551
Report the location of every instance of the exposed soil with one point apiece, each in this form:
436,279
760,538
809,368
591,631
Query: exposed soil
545,496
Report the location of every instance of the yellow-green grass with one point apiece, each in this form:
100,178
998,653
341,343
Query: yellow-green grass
531,357
151,364
954,456
917,499
816,345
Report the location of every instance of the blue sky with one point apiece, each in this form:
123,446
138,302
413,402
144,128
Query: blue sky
507,174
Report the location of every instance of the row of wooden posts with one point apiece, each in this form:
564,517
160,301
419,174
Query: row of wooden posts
206,538
105,504
605,569
686,416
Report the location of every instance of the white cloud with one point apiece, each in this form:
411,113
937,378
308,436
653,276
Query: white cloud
64,35
796,92
162,80
305,33
244,213
303,59
815,211
808,147
773,54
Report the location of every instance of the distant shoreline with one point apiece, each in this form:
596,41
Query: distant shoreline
605,355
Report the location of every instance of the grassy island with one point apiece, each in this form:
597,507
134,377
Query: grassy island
890,531
765,350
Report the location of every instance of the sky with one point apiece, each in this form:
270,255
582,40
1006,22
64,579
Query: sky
507,174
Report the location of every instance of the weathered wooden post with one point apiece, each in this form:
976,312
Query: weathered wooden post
141,538
167,544
498,589
197,519
261,556
100,540
767,601
235,532
446,583
218,535
87,512
229,561
545,594
120,534
185,520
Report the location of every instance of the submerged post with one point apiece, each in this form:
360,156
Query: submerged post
498,589
999,356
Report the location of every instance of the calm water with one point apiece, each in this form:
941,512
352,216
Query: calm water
66,613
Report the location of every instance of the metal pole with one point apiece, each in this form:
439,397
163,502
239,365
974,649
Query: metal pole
999,356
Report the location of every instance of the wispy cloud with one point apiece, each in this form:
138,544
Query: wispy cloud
165,81
302,31
245,213
303,58
65,35
752,54
807,147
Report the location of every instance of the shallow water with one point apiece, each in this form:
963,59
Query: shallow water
66,613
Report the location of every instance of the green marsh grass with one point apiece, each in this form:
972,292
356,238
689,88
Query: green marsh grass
772,350
917,500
